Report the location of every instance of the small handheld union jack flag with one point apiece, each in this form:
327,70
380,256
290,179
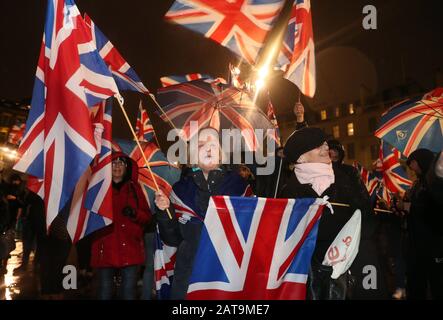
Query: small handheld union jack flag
143,127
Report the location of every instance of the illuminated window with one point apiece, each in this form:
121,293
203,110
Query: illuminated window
336,132
350,129
337,112
323,115
351,108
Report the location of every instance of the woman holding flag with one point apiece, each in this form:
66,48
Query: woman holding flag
119,246
190,199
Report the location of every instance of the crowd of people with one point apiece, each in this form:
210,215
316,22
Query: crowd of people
405,245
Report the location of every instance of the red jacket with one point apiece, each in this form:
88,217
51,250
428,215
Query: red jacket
121,243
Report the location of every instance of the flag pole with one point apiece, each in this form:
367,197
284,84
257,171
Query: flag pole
154,134
347,205
278,178
120,102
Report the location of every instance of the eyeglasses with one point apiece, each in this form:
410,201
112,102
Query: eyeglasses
118,163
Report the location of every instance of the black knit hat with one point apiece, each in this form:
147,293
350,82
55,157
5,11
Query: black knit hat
302,141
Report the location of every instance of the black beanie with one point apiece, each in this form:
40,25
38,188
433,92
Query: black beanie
302,141
424,158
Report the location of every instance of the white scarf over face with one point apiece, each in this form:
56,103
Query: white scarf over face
319,175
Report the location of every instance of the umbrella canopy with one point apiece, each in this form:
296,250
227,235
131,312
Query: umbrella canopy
213,104
166,174
414,124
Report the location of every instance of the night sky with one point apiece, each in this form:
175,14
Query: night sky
406,47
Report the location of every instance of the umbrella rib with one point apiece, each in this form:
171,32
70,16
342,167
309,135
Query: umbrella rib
432,108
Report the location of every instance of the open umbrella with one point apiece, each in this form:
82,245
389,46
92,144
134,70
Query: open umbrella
414,124
211,103
166,174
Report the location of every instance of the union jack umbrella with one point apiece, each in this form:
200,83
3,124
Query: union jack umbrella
166,174
215,105
240,25
415,123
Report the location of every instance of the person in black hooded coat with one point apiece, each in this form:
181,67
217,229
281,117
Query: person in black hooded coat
363,282
425,227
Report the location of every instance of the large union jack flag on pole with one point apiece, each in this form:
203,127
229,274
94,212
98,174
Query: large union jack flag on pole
255,248
240,25
59,145
297,55
124,75
90,208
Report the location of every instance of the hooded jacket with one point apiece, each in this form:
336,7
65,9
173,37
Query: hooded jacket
121,243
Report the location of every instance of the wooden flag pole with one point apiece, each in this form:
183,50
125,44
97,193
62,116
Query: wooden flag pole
347,205
120,102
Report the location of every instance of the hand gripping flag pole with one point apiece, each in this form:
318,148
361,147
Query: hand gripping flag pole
120,102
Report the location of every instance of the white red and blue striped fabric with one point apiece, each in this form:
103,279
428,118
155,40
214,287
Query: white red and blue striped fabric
255,249
143,127
240,25
124,75
171,80
297,55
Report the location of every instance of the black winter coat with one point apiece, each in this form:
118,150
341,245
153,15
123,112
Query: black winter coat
344,190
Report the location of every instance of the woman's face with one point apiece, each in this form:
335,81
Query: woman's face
118,170
317,155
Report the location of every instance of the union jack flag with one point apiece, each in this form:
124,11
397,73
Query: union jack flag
255,248
16,133
369,179
90,208
239,25
164,263
394,177
297,55
59,145
171,80
215,105
124,75
143,127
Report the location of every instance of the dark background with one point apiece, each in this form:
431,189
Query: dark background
406,48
